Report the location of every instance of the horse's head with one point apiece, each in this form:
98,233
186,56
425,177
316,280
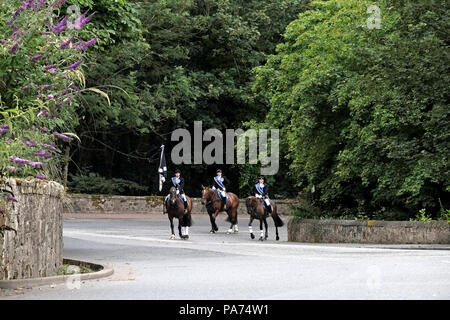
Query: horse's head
251,204
173,196
248,202
205,194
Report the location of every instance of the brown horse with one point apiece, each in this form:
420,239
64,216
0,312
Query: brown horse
175,209
214,205
257,211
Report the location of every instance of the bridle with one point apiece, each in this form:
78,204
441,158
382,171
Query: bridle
207,201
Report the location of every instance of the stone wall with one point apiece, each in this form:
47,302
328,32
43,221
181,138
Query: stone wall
37,248
80,203
360,231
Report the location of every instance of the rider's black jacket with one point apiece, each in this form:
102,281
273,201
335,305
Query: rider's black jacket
226,183
265,190
180,186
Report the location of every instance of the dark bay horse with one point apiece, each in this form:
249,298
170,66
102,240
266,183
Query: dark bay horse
214,205
256,211
175,209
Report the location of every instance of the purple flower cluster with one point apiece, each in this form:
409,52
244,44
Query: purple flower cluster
27,4
44,91
82,20
74,87
39,4
15,15
74,65
65,44
43,154
11,198
30,142
35,58
14,49
60,26
19,161
57,3
84,45
16,34
61,136
49,146
43,112
36,165
4,128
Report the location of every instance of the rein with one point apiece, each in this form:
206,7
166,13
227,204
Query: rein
210,202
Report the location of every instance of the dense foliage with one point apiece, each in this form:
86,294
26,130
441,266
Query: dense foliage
192,60
363,111
41,60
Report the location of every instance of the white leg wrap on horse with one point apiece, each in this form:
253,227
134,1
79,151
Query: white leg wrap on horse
250,229
262,233
187,231
183,231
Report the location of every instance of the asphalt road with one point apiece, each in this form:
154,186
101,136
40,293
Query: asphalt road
218,266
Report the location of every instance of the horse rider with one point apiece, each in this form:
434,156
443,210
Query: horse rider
221,183
178,183
262,192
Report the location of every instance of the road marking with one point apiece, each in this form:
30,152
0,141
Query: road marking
198,245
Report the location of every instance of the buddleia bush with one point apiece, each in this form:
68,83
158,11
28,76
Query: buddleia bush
41,60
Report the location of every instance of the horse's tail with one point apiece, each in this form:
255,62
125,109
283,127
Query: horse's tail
277,220
232,219
187,220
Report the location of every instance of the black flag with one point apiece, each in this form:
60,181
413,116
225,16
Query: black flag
162,169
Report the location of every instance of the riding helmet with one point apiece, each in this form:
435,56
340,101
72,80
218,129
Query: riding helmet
219,170
178,171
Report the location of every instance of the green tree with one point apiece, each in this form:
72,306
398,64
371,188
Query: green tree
365,111
175,62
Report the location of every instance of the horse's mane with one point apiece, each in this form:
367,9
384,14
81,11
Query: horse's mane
209,189
251,201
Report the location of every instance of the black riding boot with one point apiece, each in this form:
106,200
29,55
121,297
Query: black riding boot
185,207
165,206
